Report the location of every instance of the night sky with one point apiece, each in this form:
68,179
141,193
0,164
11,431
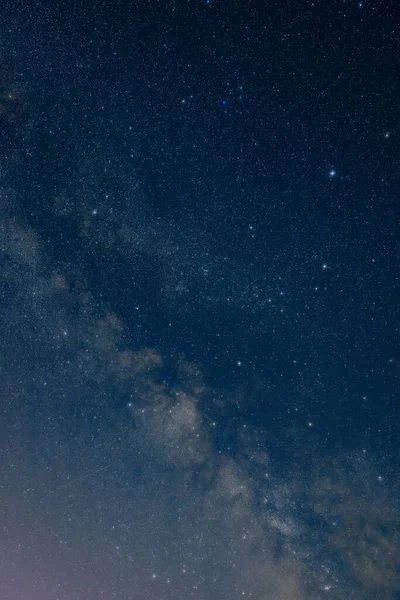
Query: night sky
198,307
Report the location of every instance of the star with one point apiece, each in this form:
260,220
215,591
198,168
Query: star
332,173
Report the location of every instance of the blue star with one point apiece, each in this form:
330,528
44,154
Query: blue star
332,173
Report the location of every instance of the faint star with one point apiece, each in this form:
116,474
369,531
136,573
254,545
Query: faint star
332,173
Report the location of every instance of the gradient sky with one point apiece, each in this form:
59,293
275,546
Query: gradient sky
198,308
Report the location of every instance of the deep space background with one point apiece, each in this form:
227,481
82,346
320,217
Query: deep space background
198,300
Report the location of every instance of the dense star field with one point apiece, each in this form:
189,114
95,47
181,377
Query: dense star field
198,308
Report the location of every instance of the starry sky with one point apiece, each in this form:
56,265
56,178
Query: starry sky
198,351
